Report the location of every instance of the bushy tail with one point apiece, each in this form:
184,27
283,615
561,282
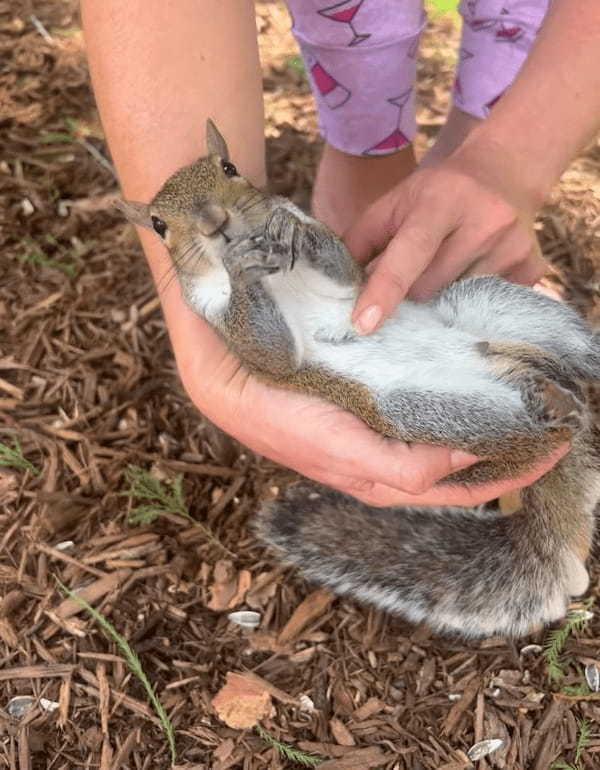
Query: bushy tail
465,570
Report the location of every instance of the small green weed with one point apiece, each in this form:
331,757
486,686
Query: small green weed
583,740
163,497
34,254
295,63
289,752
556,640
134,664
12,457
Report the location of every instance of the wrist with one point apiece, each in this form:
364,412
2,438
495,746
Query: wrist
500,164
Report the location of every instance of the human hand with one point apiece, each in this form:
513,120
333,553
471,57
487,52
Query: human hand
469,214
318,439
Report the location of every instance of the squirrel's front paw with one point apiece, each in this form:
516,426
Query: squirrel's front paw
252,258
285,229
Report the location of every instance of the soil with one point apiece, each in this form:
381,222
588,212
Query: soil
89,387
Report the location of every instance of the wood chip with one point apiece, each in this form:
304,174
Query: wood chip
309,610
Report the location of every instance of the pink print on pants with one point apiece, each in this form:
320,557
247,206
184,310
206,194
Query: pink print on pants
357,52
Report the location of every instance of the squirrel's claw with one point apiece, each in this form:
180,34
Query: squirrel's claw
251,258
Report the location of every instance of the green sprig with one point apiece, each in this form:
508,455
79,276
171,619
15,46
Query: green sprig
12,457
289,752
555,641
163,498
132,661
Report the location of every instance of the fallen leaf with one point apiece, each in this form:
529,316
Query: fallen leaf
242,701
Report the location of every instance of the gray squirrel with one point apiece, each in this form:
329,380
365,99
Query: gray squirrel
486,366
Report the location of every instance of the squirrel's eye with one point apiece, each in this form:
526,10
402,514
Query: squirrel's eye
229,168
159,226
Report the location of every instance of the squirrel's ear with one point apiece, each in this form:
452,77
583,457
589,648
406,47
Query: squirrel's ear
136,213
215,144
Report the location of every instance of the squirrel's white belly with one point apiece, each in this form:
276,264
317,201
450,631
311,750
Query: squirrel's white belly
415,349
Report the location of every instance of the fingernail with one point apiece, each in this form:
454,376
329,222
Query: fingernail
368,319
460,459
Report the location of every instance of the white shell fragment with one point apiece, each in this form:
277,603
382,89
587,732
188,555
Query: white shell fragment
483,748
48,705
27,207
19,705
532,649
65,545
245,618
592,677
306,704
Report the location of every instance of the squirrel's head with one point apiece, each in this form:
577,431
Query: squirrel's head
199,208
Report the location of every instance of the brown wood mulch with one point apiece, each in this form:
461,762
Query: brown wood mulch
88,385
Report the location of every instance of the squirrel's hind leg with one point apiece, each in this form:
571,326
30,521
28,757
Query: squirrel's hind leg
510,434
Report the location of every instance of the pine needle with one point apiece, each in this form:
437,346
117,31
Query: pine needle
555,642
289,752
12,457
134,664
583,739
164,497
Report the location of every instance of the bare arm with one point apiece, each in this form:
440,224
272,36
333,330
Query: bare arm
159,69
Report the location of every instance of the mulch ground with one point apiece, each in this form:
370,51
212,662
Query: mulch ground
88,385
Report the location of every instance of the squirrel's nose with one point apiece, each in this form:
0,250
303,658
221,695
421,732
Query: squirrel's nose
211,218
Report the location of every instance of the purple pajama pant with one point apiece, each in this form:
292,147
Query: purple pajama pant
361,60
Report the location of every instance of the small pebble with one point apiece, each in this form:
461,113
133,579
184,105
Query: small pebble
27,207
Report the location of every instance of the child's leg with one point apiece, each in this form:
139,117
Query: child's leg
496,38
360,58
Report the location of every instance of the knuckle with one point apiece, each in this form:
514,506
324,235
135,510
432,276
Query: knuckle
416,482
359,487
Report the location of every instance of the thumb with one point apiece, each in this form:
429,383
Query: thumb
411,249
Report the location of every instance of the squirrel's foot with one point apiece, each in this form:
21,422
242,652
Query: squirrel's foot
551,405
512,360
251,258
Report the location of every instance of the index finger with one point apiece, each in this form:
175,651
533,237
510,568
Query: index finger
407,255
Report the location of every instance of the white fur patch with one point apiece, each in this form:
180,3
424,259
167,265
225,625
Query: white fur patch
578,580
209,293
416,349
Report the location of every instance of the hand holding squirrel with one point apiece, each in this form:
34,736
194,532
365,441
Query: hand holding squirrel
453,218
486,367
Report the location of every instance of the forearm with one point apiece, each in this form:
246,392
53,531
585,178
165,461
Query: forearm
159,69
553,107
